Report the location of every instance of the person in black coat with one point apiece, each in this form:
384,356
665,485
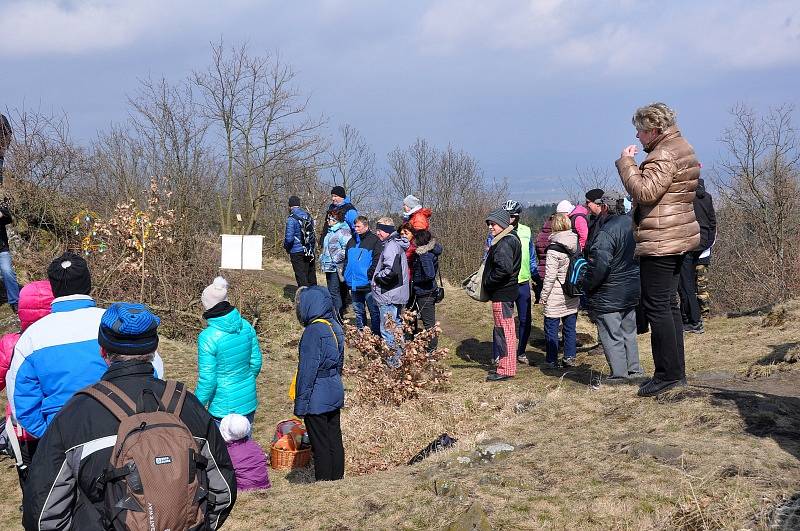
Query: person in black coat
707,218
500,282
612,285
424,268
694,297
5,140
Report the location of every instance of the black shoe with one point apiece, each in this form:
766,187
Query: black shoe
14,308
696,328
616,380
569,362
656,387
494,377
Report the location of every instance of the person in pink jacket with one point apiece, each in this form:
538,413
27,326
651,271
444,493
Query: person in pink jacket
580,216
248,458
34,303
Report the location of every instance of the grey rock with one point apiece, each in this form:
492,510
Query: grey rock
493,448
474,518
670,455
449,489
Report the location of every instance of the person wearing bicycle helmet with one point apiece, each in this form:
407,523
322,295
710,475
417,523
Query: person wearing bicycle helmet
528,269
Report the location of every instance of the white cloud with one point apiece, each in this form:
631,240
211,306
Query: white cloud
615,36
39,27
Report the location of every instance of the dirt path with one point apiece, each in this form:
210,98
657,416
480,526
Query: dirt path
786,384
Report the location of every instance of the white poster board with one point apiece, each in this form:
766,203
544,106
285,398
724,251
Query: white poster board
241,252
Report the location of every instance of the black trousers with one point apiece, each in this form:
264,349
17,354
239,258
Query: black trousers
27,449
427,312
304,272
325,434
659,278
690,307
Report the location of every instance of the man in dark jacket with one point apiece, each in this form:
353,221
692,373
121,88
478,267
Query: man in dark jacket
6,267
693,287
612,285
361,256
5,141
500,282
301,252
707,218
61,491
424,269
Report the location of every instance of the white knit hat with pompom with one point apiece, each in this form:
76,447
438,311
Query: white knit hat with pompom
215,293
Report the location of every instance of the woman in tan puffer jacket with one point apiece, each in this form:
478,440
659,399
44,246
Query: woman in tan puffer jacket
662,190
558,308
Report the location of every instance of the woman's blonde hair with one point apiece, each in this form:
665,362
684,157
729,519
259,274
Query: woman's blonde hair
654,116
560,223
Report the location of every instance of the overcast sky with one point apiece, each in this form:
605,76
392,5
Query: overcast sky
533,89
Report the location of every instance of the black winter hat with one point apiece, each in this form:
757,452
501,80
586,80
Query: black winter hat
594,194
339,191
294,201
500,217
69,275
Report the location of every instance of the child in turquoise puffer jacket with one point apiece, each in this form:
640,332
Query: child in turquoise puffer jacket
228,357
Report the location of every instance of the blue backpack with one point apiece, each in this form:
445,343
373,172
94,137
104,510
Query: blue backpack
573,284
359,261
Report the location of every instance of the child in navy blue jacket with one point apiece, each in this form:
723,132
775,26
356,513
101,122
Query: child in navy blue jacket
319,390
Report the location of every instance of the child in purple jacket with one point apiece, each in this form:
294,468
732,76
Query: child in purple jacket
247,456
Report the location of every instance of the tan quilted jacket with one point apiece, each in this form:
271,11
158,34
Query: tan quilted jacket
662,189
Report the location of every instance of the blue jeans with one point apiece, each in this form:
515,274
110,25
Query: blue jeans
9,277
524,312
361,301
551,336
335,289
391,311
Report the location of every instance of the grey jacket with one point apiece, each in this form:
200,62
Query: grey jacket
391,281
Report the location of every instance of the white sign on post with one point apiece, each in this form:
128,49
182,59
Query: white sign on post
241,252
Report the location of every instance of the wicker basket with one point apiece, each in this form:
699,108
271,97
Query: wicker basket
287,459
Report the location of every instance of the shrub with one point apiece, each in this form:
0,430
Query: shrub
376,383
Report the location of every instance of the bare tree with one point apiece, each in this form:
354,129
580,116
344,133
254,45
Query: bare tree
759,185
43,152
586,179
352,165
411,170
265,128
453,185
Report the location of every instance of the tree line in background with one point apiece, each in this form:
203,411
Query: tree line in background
221,151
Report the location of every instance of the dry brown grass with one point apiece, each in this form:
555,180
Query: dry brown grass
571,468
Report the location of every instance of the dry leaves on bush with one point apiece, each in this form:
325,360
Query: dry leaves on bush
420,368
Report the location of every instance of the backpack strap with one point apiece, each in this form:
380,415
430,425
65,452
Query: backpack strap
112,398
329,326
174,397
559,248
